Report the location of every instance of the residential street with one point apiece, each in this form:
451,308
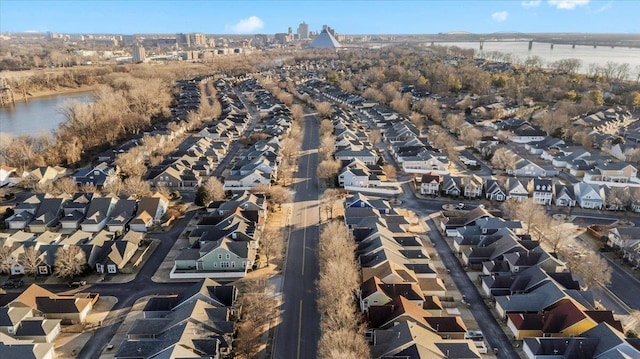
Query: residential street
128,293
493,334
298,333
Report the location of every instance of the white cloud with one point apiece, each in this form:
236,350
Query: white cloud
531,3
246,26
604,7
568,4
499,16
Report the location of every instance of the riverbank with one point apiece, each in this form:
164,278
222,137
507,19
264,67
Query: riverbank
51,92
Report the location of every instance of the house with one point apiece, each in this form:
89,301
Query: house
366,156
11,348
453,220
247,181
215,259
24,212
73,308
47,215
494,190
5,174
589,195
526,168
628,240
122,213
542,190
43,176
360,200
74,210
97,214
356,177
99,175
517,189
409,340
197,328
402,310
602,341
473,186
612,173
452,186
115,255
430,184
373,292
68,308
563,320
424,162
150,212
38,330
564,195
542,298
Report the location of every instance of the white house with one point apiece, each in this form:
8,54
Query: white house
589,195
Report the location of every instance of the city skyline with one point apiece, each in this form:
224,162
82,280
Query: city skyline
352,17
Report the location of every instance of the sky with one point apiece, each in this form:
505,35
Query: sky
346,17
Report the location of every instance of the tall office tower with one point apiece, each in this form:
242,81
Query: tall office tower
303,31
198,39
184,40
138,54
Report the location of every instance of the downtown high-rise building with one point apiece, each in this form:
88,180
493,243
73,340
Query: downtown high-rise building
137,54
303,31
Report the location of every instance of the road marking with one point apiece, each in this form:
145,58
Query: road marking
304,240
299,329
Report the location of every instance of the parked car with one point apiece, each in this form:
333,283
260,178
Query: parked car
13,283
77,284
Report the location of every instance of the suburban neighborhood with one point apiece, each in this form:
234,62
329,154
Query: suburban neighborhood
407,200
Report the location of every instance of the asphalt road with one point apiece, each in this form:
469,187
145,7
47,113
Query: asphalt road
298,333
624,286
493,334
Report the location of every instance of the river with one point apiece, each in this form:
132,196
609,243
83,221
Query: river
38,115
587,54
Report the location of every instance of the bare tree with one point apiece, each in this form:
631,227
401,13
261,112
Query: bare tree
431,109
272,244
503,159
326,128
336,303
297,112
342,344
527,211
215,188
134,186
555,233
454,122
328,168
390,171
327,147
130,164
470,135
328,200
5,257
30,260
324,109
69,262
65,185
375,136
590,266
258,308
278,195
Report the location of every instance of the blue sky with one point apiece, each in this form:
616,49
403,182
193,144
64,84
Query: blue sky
347,17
